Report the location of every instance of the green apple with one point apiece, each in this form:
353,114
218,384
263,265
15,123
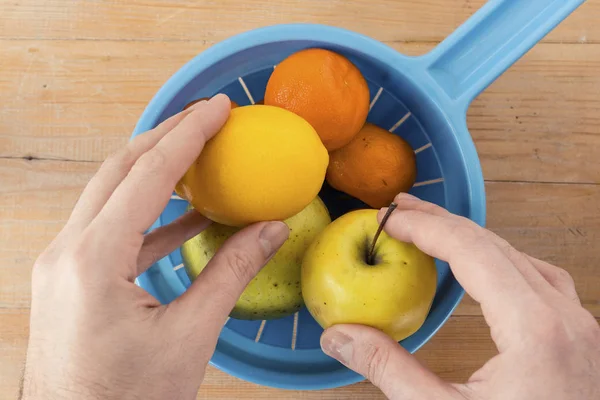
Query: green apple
275,292
392,292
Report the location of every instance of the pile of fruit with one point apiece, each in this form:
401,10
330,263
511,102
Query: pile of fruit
270,161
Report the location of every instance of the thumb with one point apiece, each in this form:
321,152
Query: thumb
220,284
384,362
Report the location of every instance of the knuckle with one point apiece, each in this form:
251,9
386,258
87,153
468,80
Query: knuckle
75,258
375,359
40,273
241,266
463,230
429,208
557,334
590,329
593,333
549,328
153,161
432,208
42,262
506,247
514,255
80,273
564,277
44,265
121,160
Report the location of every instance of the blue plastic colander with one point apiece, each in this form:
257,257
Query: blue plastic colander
423,99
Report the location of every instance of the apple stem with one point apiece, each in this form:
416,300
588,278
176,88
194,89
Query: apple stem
387,215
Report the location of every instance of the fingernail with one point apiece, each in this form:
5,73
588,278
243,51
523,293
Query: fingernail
197,105
337,345
219,97
272,236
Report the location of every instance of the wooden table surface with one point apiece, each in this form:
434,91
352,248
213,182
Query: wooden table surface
76,74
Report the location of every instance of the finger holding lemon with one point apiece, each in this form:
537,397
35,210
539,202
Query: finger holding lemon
269,162
244,175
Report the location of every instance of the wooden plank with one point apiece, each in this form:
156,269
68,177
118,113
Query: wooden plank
14,331
440,354
386,20
460,347
541,120
556,222
80,100
77,74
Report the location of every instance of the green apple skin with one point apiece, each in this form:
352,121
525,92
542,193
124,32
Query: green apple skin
275,292
393,295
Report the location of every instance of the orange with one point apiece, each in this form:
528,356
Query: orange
374,167
191,103
325,89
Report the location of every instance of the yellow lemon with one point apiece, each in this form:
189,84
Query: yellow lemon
266,163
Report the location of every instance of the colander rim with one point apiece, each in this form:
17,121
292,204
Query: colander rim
327,35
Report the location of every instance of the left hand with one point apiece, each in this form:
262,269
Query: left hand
94,333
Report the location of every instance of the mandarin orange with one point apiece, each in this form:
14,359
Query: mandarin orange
325,89
374,167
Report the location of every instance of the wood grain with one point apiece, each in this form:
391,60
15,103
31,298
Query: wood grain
556,222
215,20
440,354
80,101
14,330
559,223
76,75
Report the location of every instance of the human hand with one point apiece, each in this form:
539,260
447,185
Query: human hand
94,333
549,345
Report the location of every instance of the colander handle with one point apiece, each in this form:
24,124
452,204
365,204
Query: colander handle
488,43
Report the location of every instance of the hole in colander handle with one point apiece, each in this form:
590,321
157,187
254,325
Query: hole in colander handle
488,43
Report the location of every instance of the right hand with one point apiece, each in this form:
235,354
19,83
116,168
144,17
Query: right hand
549,345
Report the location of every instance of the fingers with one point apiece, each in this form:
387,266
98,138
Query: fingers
215,292
405,201
478,264
142,195
560,279
164,240
386,364
523,263
113,170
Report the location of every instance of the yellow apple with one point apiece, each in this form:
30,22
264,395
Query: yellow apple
275,292
393,293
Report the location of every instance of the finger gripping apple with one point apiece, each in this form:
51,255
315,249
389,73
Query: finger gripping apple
340,285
